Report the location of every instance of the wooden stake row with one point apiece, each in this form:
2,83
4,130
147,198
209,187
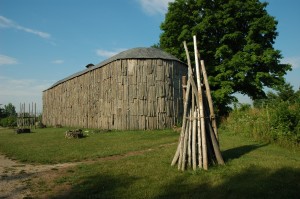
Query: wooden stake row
27,118
198,143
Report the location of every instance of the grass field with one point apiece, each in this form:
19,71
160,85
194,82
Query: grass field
252,170
50,146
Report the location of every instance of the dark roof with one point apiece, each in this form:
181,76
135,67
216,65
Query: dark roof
135,53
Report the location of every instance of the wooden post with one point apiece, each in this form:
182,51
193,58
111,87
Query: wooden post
190,138
35,119
209,99
194,141
197,143
177,154
184,148
201,115
183,79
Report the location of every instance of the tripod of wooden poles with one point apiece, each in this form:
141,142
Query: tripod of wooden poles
198,144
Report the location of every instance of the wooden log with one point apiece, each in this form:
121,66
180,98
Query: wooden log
180,147
197,122
209,99
194,141
177,154
190,139
183,87
184,148
201,115
195,94
215,144
216,147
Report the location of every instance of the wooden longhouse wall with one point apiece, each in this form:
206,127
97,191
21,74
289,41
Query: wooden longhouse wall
123,94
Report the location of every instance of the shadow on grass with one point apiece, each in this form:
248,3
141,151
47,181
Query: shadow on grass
237,152
253,182
99,186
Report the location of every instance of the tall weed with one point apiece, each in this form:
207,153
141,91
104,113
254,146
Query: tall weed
278,123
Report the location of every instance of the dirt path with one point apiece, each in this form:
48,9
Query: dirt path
15,177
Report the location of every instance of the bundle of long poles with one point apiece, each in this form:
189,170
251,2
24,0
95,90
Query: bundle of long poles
198,144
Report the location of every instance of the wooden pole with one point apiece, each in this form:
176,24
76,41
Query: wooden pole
194,141
198,129
185,106
35,119
183,163
201,115
198,144
209,99
177,154
184,82
23,115
190,139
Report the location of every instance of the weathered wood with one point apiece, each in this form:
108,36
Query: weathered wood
184,82
184,148
209,99
194,141
201,109
93,98
190,139
183,122
197,127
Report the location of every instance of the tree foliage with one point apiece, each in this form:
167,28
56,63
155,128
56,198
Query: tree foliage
8,115
235,38
10,110
283,93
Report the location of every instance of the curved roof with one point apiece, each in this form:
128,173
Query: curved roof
134,53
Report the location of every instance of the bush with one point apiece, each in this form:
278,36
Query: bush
275,118
279,123
284,119
8,122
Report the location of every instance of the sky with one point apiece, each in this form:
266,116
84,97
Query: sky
43,41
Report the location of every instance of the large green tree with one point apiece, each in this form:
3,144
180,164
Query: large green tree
235,38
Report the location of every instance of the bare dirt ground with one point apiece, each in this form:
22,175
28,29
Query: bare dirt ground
15,177
18,179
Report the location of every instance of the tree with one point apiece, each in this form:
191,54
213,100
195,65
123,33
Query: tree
8,116
236,40
1,112
10,110
282,93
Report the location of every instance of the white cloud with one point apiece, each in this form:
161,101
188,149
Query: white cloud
107,53
58,61
7,23
153,7
18,91
294,61
6,60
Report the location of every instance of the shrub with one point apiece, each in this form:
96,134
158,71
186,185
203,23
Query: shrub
278,123
8,122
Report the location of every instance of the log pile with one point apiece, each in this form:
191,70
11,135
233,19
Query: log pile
74,134
198,144
22,130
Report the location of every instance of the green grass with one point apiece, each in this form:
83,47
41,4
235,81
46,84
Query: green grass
50,146
252,170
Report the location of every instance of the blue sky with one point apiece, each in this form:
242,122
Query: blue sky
43,41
